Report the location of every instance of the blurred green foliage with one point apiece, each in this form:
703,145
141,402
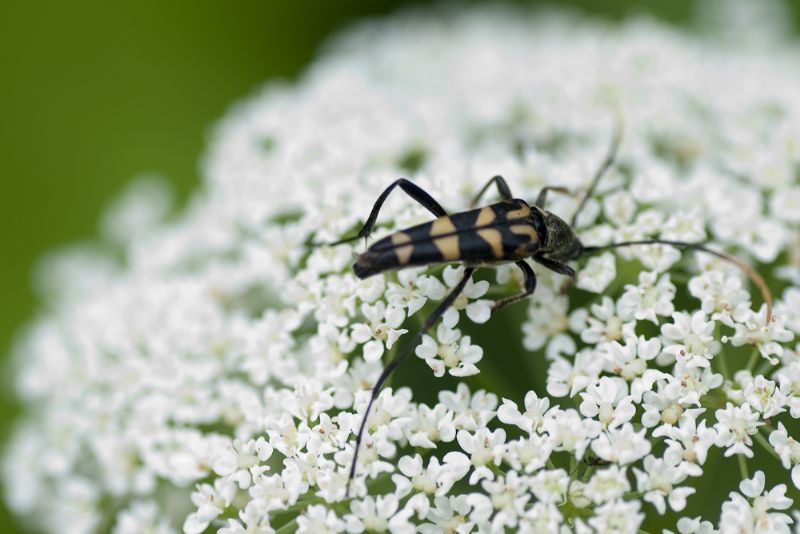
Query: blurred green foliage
94,93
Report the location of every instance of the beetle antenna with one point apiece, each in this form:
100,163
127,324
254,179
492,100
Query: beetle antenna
611,156
751,273
313,244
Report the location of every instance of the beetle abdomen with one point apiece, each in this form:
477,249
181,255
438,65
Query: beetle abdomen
496,233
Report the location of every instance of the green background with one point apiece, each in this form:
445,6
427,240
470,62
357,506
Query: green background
94,93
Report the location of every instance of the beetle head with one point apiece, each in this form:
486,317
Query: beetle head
562,244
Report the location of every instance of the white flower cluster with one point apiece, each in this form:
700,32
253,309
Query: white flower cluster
212,375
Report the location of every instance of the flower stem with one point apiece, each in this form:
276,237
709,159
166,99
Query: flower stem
759,437
723,366
496,470
291,526
587,473
751,363
763,368
743,466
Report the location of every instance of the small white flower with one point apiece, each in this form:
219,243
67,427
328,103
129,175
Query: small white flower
143,516
449,514
657,258
253,519
789,378
689,385
689,442
435,479
533,417
694,526
789,451
242,461
379,514
598,272
505,499
694,346
735,425
753,512
602,325
565,378
763,239
550,486
664,408
472,411
319,519
721,295
309,400
430,426
763,396
478,311
619,207
654,183
389,412
788,307
381,328
767,338
630,360
210,501
607,484
287,435
453,352
659,481
413,290
620,516
684,226
608,401
279,491
484,447
569,432
650,221
647,300
621,446
528,454
541,518
371,289
786,204
547,319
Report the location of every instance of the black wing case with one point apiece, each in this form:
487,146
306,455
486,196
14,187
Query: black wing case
497,233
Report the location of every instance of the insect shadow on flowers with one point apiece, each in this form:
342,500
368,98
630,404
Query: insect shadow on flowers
507,231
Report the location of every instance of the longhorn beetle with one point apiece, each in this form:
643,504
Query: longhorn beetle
507,231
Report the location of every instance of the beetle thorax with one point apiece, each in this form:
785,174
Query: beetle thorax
562,243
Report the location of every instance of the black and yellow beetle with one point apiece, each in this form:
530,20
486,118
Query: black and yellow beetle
507,231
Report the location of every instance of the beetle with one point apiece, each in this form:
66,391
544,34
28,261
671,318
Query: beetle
507,231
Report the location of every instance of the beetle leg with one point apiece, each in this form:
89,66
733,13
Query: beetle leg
530,287
408,187
401,356
611,156
542,198
557,266
502,188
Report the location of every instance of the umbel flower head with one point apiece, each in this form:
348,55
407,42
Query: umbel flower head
211,375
